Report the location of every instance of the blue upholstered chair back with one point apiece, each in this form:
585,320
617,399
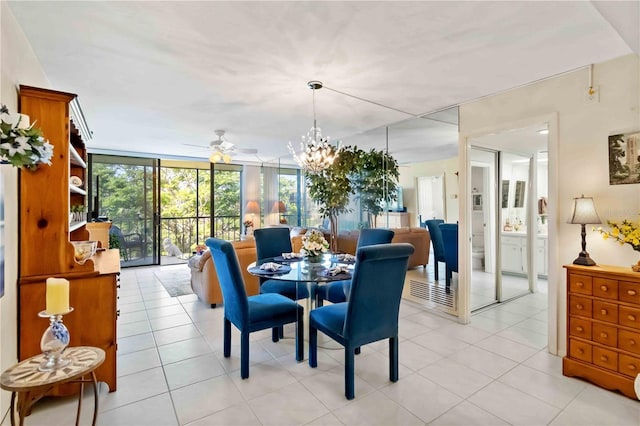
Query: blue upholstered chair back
236,306
372,236
449,233
272,242
376,288
436,239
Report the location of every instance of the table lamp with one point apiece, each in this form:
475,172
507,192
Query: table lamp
252,208
281,209
584,212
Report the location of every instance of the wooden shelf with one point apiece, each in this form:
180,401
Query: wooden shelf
75,158
76,225
77,190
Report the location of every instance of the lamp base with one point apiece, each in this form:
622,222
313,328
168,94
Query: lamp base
584,259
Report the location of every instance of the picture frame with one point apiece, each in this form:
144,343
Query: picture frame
505,194
477,201
518,199
624,158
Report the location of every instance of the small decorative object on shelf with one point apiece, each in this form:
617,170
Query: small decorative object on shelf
56,337
248,224
626,232
83,250
21,144
314,245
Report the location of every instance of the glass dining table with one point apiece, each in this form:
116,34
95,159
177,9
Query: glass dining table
302,271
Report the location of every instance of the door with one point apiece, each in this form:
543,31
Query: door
124,190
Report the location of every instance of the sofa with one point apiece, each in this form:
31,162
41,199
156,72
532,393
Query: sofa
418,237
204,278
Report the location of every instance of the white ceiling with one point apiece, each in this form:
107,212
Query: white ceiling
152,76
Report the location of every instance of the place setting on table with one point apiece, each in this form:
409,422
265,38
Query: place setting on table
297,267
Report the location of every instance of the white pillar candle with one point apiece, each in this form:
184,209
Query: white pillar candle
57,296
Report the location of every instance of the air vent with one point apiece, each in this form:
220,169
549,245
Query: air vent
433,296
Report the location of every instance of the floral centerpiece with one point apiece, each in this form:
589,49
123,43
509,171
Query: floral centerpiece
200,249
625,232
313,245
21,144
248,224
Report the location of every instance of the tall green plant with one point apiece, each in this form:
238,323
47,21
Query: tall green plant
354,172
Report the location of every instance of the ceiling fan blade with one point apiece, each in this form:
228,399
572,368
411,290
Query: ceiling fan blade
227,146
247,150
197,146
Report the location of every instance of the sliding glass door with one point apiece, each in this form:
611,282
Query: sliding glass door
124,190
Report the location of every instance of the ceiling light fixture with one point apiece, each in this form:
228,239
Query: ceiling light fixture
315,152
543,131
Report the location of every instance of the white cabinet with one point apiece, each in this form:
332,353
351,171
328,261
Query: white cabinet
514,254
396,220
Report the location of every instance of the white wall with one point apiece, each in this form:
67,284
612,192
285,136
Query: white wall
18,65
578,163
409,174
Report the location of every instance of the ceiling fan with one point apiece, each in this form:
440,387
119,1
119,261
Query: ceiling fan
221,149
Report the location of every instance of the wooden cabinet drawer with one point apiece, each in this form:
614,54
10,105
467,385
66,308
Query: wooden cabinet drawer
605,358
605,288
580,284
580,306
629,292
630,317
607,335
629,341
605,311
580,350
580,328
629,365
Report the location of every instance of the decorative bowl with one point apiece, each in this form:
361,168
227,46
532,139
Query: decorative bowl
83,250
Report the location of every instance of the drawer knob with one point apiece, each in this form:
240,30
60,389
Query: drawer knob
604,358
580,351
579,284
631,292
631,367
603,311
580,329
632,342
603,288
631,317
579,307
604,335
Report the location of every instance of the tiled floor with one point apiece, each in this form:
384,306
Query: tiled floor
495,371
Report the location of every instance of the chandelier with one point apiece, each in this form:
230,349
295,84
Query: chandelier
315,153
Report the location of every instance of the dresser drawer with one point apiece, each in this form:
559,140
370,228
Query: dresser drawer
580,328
580,284
629,292
629,341
605,334
605,358
580,306
605,288
630,317
605,311
580,350
629,365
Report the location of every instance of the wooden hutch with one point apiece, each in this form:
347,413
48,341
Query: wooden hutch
46,196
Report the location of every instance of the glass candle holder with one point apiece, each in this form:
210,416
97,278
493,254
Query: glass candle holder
54,341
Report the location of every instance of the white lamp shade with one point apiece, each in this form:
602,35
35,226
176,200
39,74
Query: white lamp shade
584,211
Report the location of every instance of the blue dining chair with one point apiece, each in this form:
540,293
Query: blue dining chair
371,314
336,291
449,233
272,242
436,240
251,313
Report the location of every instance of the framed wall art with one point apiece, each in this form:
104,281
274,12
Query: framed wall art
624,158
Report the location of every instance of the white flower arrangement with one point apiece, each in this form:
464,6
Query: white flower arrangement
314,244
21,144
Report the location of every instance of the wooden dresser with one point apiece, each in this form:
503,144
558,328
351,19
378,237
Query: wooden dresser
603,326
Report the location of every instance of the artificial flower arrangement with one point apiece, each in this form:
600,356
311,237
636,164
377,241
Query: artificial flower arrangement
21,144
247,225
314,244
625,232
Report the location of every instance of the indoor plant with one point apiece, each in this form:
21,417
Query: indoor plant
21,144
625,232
